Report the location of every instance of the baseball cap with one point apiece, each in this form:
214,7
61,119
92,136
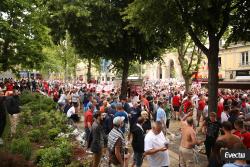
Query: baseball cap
118,120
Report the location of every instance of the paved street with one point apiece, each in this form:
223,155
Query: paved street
173,147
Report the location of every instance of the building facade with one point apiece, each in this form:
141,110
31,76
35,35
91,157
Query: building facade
234,65
169,68
234,62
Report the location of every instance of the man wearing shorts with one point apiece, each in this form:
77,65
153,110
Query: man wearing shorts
176,103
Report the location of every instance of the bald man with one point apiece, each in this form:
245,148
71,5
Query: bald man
188,141
156,145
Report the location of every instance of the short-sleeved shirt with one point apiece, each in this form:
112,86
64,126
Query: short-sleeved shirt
213,128
10,87
71,111
156,141
161,115
220,109
201,105
88,117
245,138
224,117
187,105
75,97
176,101
168,111
62,99
235,165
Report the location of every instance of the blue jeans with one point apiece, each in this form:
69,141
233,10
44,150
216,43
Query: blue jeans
138,159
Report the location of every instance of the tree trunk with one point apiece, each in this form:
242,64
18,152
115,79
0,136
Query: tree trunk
74,67
124,85
65,69
213,77
187,83
89,70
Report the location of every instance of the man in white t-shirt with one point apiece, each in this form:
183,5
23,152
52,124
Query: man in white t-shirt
71,113
155,147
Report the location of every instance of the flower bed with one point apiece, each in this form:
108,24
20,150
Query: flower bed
36,137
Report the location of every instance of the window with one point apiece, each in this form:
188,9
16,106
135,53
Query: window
244,58
219,61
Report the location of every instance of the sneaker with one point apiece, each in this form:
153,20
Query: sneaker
1,141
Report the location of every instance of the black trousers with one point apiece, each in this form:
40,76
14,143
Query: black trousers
209,144
167,123
2,121
75,117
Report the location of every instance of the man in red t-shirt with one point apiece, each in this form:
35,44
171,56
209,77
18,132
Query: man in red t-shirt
201,106
146,103
88,120
9,88
243,135
176,103
188,105
220,109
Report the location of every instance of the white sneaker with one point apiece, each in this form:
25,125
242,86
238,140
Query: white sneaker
1,141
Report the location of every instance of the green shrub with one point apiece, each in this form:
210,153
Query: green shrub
59,120
75,164
26,97
35,135
7,129
21,146
56,156
25,117
66,149
43,118
37,102
50,157
21,130
53,133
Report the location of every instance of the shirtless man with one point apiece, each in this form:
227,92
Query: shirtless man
229,138
188,141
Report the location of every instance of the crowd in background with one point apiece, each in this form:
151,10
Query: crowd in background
143,118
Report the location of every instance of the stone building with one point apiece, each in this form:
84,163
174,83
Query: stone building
169,68
234,65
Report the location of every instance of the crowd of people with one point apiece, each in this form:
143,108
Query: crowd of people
142,118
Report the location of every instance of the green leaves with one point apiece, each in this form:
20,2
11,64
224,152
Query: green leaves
22,35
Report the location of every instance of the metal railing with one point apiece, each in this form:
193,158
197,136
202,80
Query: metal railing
244,64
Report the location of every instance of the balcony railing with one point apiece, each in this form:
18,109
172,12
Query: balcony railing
245,64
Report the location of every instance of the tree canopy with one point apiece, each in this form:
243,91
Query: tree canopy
211,18
97,29
22,34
